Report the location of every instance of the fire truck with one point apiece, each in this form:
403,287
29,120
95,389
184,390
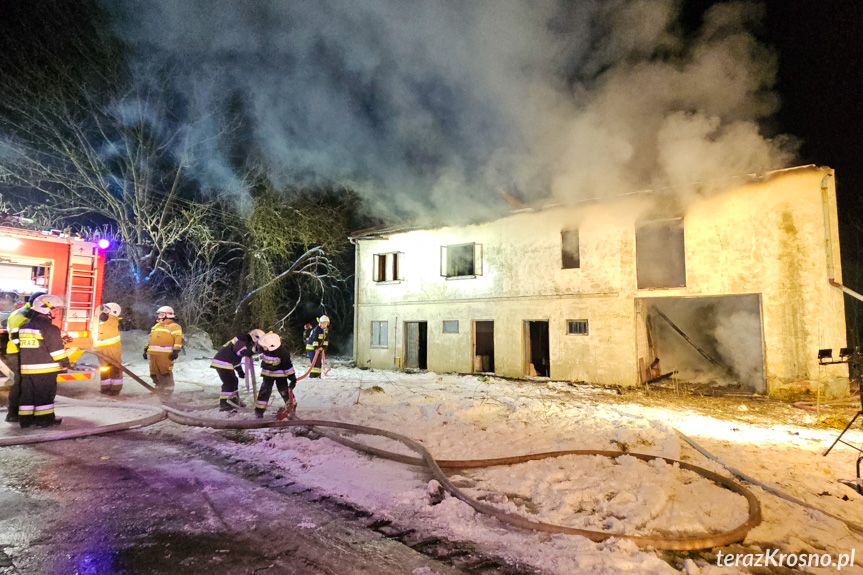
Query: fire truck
58,263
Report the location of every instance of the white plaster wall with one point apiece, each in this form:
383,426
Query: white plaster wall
766,238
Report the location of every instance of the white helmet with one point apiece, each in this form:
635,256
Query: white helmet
112,309
323,319
167,310
256,334
45,303
270,341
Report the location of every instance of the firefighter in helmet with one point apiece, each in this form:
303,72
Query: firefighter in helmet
110,350
276,368
316,345
228,360
43,356
163,347
16,319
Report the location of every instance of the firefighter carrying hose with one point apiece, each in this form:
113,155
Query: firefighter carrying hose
163,347
43,356
317,344
108,345
276,367
229,359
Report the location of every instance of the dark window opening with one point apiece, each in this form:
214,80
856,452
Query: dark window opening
462,260
569,254
660,255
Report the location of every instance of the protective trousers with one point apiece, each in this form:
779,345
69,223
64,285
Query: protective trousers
38,391
229,390
161,366
316,362
13,360
111,378
267,389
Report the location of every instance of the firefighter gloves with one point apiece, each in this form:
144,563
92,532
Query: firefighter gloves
145,354
240,373
175,354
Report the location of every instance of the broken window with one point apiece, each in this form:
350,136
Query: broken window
660,257
379,334
450,326
576,327
569,249
461,260
387,268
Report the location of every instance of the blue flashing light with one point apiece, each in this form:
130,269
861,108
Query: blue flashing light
104,243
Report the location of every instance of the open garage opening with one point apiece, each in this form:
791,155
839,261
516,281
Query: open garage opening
709,341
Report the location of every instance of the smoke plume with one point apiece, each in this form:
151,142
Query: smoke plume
439,106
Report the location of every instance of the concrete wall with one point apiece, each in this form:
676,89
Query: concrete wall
764,238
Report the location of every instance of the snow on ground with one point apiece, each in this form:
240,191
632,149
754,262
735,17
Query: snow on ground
470,417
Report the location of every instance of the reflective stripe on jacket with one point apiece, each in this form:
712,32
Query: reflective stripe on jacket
318,338
165,337
41,345
232,353
109,332
277,363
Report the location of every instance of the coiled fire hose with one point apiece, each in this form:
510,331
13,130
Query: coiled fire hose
685,543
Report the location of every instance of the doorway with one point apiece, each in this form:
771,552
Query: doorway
416,344
711,340
536,350
483,347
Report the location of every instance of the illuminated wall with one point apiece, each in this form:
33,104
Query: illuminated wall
764,238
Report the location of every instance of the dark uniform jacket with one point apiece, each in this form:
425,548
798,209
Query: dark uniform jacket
318,338
41,345
277,363
232,353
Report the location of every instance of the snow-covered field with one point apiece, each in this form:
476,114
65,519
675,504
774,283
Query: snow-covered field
469,417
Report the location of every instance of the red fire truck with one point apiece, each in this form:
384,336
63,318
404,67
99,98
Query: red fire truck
57,263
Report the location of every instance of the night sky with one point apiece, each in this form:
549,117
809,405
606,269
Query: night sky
819,43
821,59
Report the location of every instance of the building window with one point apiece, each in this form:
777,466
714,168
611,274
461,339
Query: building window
660,257
450,326
569,249
379,334
576,327
387,267
461,260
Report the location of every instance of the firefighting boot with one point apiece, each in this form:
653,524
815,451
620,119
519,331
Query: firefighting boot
259,413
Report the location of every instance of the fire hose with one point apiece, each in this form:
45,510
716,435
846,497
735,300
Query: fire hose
185,417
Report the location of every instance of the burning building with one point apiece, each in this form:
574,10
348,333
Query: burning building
741,287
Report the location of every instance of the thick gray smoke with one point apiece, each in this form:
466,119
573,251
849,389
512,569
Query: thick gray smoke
437,106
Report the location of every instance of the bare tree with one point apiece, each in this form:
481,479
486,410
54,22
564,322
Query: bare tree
126,161
296,247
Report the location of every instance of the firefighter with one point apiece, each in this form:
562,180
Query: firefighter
110,350
163,347
229,359
43,356
276,367
16,319
318,340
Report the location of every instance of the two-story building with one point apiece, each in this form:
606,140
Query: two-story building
736,287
